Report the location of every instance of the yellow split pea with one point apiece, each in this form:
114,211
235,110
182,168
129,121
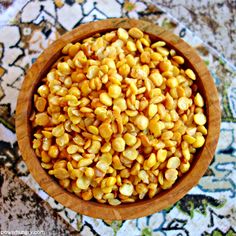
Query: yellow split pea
116,119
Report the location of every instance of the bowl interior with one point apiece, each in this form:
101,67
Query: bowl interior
164,199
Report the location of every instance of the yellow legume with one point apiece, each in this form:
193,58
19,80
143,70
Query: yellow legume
93,129
114,90
198,100
43,90
130,153
53,151
83,182
124,70
64,68
72,149
131,46
183,103
101,113
111,181
190,74
184,167
105,99
60,173
150,162
200,119
62,140
141,122
172,82
95,147
42,119
158,44
84,162
118,144
40,104
135,33
130,139
189,139
126,189
161,155
200,140
105,130
118,118
173,163
58,130
171,174
179,59
157,79
122,34
202,129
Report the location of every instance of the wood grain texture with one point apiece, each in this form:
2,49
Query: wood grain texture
140,208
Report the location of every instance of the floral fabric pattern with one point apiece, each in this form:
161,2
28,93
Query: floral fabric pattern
209,208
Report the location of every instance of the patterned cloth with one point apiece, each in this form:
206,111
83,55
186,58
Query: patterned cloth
209,208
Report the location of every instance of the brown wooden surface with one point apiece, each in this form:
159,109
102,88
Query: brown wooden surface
144,207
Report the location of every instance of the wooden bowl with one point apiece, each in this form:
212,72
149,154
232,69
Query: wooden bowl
143,207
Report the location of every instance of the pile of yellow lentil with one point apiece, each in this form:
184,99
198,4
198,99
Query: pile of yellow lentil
118,118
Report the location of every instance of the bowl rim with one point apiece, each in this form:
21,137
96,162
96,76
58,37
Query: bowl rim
124,211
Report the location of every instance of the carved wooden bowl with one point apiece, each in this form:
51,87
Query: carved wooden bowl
143,207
